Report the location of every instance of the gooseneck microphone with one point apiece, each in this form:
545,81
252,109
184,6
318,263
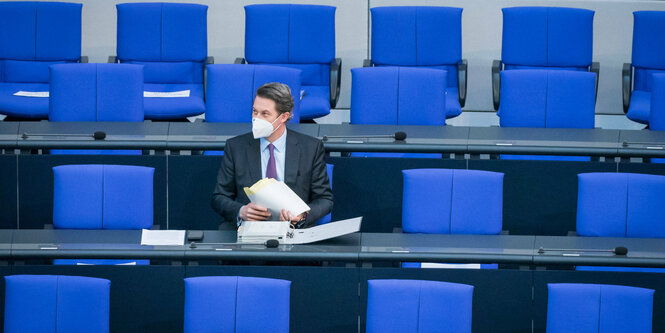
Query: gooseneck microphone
271,243
398,136
619,250
99,135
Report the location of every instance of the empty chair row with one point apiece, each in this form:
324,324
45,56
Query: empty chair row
47,303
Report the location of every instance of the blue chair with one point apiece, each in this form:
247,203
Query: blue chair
52,303
28,46
231,90
620,205
236,304
102,197
327,218
657,103
647,58
554,38
302,37
457,195
420,36
418,306
573,308
96,92
547,99
170,41
398,96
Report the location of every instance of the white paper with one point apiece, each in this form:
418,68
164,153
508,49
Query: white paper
325,231
454,266
31,93
133,263
261,231
277,196
163,237
181,93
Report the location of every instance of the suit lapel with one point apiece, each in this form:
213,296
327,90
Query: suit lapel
254,160
292,163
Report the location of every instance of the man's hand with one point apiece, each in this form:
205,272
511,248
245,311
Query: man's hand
254,212
285,215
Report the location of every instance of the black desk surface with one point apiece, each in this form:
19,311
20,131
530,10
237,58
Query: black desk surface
119,135
447,248
643,142
213,136
647,252
8,133
418,138
543,140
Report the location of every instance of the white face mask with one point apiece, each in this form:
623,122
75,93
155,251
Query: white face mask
262,128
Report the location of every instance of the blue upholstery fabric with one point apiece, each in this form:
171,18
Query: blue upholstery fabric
620,205
413,306
102,197
51,303
35,35
458,194
236,304
547,36
647,58
398,96
170,41
297,36
231,90
547,98
96,92
582,308
329,171
657,112
420,36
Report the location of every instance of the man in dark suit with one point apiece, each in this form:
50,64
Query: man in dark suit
271,150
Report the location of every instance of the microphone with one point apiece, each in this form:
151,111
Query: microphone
619,250
272,243
398,136
99,135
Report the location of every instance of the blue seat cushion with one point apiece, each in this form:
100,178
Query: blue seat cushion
173,107
315,103
23,107
640,106
453,108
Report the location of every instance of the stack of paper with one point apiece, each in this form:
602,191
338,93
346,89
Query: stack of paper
275,196
258,232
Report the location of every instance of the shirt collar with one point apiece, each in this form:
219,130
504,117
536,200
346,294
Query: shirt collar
280,143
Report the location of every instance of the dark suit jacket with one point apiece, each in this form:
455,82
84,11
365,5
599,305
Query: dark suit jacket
304,172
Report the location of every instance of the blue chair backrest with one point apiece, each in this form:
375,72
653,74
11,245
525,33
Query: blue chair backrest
96,92
299,36
102,197
620,205
236,304
418,36
547,99
329,171
648,47
231,90
406,306
554,37
36,35
52,303
169,39
573,308
448,201
398,96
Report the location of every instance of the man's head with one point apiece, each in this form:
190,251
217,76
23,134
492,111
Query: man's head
276,99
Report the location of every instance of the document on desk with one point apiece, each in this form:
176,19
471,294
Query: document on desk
275,196
42,94
325,231
163,237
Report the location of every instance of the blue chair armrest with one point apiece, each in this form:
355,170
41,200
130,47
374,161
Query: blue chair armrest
626,85
335,80
595,68
497,66
462,75
240,61
367,63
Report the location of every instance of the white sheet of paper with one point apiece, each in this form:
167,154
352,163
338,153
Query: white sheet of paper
31,93
163,237
454,266
278,196
133,263
325,231
262,228
181,93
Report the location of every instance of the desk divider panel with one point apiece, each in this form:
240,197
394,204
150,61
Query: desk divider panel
8,192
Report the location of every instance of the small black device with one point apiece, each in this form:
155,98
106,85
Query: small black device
194,235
